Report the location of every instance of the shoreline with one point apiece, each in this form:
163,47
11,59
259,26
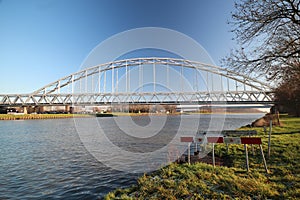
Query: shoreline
203,181
40,116
112,114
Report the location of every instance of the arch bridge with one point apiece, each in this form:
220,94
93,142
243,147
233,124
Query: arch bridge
147,81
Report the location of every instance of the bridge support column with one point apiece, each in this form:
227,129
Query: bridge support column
69,109
25,110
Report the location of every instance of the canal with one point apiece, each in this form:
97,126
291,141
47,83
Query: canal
41,159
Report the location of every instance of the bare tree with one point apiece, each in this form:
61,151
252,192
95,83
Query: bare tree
287,94
268,32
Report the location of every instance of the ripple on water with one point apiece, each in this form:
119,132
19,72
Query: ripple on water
46,159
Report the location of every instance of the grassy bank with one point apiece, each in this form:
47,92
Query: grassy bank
202,181
39,116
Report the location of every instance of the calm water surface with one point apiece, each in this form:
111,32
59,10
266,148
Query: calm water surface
46,159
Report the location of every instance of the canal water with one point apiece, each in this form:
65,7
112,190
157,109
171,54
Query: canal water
46,159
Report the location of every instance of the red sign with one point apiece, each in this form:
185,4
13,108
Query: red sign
186,139
215,139
250,140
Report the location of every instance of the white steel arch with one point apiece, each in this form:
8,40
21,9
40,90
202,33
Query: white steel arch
103,84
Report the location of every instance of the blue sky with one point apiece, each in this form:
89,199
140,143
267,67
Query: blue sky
44,40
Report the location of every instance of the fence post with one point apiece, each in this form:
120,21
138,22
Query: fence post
213,154
263,156
247,159
269,140
189,153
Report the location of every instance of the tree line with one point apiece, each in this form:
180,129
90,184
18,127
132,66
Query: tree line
268,37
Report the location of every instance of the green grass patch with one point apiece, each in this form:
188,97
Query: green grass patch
202,181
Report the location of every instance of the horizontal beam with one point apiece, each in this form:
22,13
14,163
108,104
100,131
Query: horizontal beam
200,98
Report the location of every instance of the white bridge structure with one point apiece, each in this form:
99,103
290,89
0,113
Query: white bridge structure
147,81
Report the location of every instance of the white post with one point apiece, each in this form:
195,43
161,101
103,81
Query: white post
189,153
168,77
140,77
181,79
92,90
126,77
213,154
117,79
86,82
154,78
263,156
104,83
99,82
72,89
269,140
112,79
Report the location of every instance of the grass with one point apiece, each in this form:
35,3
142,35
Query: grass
202,181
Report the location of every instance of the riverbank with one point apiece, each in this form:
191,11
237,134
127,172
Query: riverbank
202,181
39,116
113,114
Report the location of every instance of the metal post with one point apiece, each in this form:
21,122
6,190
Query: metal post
212,82
72,88
140,77
168,77
213,154
181,79
222,83
269,140
92,83
58,88
228,84
129,79
263,157
80,85
247,159
154,78
126,77
99,81
207,84
86,83
117,79
112,79
104,83
196,79
189,153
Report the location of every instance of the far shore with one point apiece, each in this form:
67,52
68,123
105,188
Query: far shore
39,116
21,116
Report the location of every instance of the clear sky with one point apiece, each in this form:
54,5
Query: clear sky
44,40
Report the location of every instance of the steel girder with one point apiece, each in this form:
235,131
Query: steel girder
132,98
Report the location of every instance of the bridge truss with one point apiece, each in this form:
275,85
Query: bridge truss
147,81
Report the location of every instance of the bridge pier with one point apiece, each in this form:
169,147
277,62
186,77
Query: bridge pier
69,109
25,110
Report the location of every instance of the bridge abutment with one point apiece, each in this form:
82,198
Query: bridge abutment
25,110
